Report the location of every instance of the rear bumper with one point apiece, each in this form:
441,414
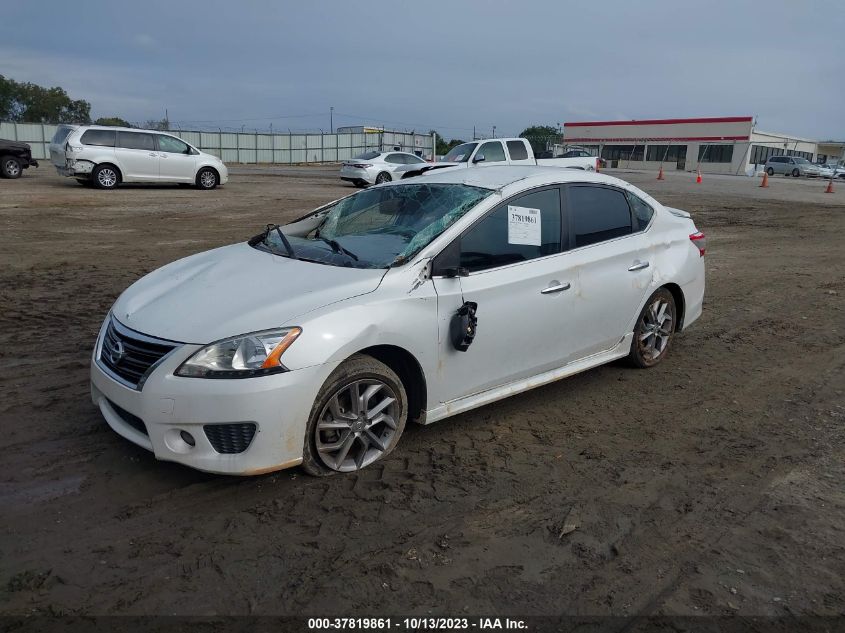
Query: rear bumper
76,169
351,174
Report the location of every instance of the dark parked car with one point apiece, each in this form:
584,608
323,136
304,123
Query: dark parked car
14,158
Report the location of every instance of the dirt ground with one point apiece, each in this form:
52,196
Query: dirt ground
712,484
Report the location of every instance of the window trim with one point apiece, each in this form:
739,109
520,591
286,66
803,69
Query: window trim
454,245
572,247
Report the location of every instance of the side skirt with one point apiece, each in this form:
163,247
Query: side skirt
473,401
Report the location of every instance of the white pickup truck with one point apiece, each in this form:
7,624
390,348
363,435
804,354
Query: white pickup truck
495,151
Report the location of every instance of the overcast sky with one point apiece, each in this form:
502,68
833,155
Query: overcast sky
448,65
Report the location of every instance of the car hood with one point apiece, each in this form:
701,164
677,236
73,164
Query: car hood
234,290
14,144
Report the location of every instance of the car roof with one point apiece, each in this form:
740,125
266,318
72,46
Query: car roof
502,176
123,129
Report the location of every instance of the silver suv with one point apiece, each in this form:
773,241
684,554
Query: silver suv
791,166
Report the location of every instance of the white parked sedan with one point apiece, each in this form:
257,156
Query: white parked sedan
316,342
375,168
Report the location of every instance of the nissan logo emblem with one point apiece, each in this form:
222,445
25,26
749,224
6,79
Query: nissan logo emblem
117,353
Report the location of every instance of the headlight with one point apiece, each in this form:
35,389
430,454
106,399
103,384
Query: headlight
256,354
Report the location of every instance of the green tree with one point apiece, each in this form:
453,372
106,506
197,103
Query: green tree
442,147
31,103
540,137
112,120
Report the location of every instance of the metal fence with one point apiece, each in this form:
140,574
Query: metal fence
247,147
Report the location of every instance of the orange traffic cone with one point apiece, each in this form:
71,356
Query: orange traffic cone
765,182
598,165
829,186
698,177
660,174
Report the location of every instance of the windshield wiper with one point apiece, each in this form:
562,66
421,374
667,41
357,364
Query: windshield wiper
336,247
262,237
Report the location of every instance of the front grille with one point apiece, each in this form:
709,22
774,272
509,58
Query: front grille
129,355
230,438
130,418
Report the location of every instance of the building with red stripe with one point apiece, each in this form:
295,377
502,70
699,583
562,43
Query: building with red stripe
727,145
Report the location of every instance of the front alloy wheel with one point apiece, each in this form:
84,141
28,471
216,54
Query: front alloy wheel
357,418
207,179
655,327
11,167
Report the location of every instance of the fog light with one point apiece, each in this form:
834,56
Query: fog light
187,438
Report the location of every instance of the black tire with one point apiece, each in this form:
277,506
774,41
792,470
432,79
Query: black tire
796,173
383,177
770,171
207,178
10,167
105,176
648,350
362,451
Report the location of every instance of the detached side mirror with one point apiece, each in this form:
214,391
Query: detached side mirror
479,158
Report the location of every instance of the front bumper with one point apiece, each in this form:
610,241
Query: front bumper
279,405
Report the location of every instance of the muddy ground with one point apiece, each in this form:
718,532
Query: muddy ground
712,484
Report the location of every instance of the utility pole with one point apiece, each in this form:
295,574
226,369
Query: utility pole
494,131
331,119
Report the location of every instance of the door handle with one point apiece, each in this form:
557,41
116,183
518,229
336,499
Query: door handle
555,288
638,266
153,154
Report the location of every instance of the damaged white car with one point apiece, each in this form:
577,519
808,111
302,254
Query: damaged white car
314,343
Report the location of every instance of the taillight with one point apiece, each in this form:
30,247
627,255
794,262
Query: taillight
699,240
360,165
598,165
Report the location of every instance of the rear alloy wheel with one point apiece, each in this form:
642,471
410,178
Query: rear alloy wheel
357,418
105,177
10,167
654,330
796,173
207,178
383,177
770,171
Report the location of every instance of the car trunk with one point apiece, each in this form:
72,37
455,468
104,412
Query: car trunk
57,145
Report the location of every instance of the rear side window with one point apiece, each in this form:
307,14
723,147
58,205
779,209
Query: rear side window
396,159
517,150
137,140
493,152
641,211
523,228
597,214
103,138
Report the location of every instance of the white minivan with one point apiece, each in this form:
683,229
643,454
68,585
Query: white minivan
107,156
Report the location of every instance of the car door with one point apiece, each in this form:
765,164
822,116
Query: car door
136,156
493,152
515,275
177,162
611,264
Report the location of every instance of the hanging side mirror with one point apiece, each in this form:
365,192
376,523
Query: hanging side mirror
463,327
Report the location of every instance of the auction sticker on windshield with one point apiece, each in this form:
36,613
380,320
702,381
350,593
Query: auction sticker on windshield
524,226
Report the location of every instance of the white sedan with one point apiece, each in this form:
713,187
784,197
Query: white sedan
316,342
375,168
